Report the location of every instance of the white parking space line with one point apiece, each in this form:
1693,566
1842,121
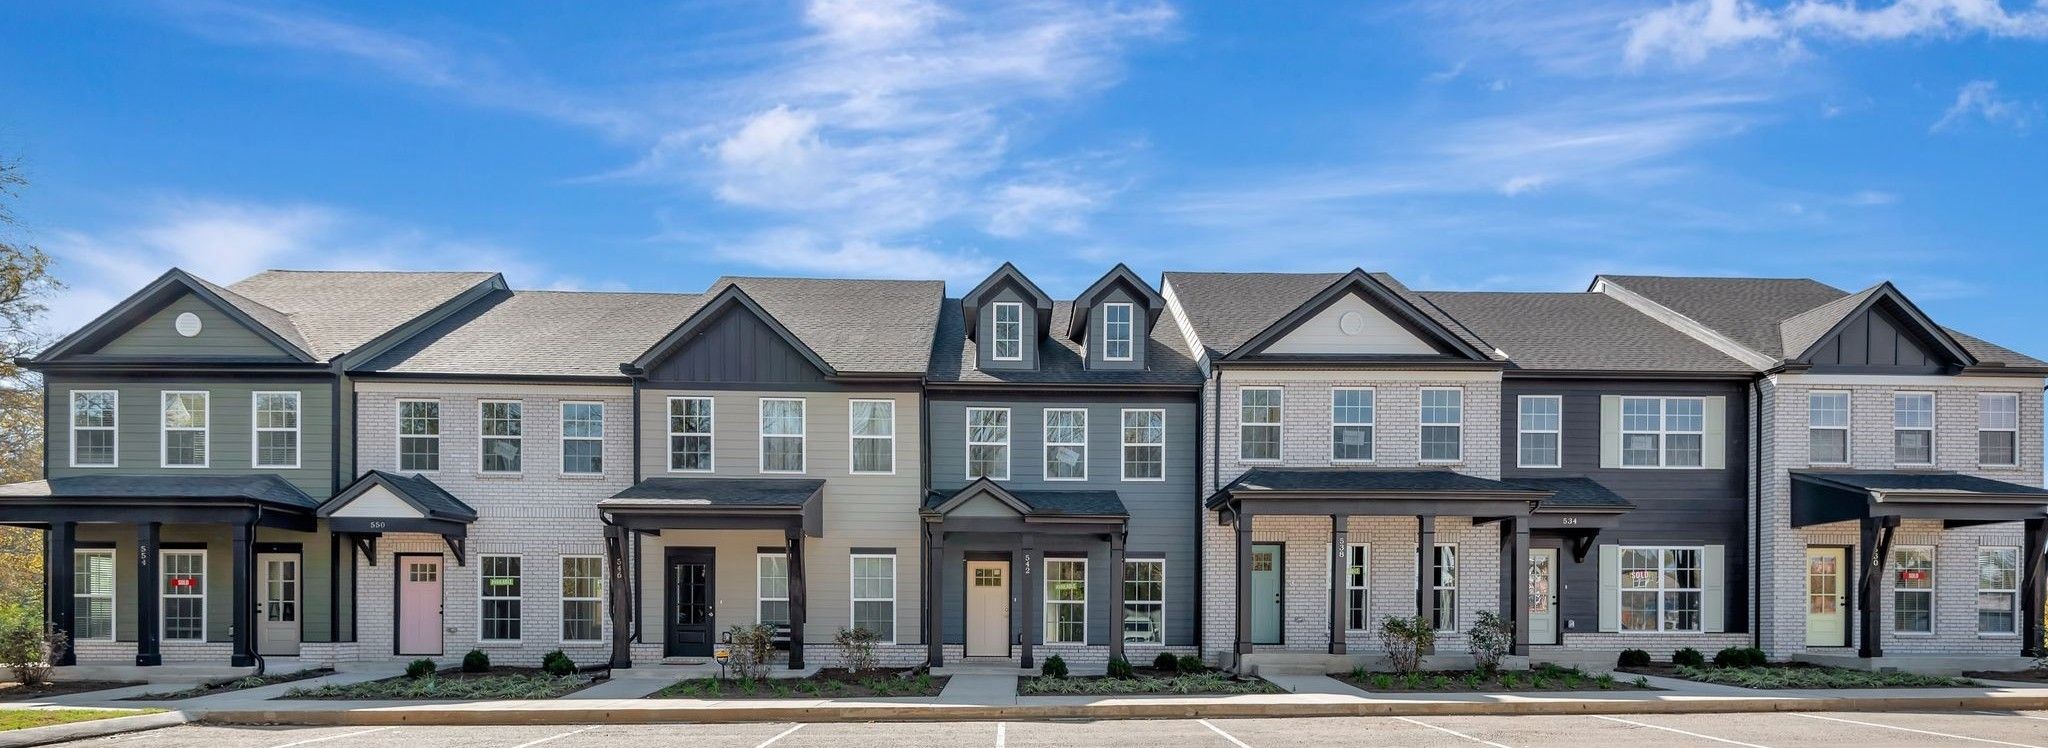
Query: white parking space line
325,738
2010,714
781,735
1000,734
1676,730
1226,736
1450,731
553,738
1922,732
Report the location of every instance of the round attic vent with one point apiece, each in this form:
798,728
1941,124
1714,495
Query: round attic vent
1352,323
188,324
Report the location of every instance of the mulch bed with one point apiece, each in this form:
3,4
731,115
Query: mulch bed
1794,675
2037,675
235,684
532,683
1145,680
17,692
1541,679
829,683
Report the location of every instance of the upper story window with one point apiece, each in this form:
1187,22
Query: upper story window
276,425
1351,423
1662,432
583,438
988,443
874,436
499,429
1144,444
782,435
1998,428
1443,424
419,435
1539,426
185,429
1116,332
689,434
1913,428
1009,331
95,428
1066,444
1258,424
1827,428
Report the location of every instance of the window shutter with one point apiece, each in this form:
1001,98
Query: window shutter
1610,431
1713,595
1714,443
1610,588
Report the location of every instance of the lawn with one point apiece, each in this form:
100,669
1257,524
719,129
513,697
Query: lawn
830,683
1146,681
21,719
237,684
1541,678
501,683
1801,675
12,691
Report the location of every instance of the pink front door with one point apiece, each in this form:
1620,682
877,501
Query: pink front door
419,605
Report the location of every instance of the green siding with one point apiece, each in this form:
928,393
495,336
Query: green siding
219,335
228,441
315,603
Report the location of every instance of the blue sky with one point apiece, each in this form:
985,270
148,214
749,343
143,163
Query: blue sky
1460,145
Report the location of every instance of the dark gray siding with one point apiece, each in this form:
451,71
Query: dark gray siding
1139,333
1692,507
139,426
1162,524
737,347
1875,340
985,334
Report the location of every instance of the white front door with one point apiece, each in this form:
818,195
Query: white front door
1543,596
277,613
1827,615
988,609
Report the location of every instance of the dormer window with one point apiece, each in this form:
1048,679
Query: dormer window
1116,332
1009,331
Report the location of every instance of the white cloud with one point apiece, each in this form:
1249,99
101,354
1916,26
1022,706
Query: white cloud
1979,100
1025,208
1872,198
1525,183
802,251
1689,32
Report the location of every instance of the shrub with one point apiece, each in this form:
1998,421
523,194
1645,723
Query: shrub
1190,665
476,662
856,648
1688,657
28,646
1633,658
1119,668
1405,639
1740,657
557,663
1054,667
1489,639
420,669
1165,662
750,646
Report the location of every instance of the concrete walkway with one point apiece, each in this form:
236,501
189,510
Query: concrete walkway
980,689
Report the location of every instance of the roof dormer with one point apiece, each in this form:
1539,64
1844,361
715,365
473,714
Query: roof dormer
1113,319
1007,316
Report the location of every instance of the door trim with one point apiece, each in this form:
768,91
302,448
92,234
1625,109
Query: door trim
300,549
398,602
967,607
1279,569
668,595
1556,591
299,598
1848,582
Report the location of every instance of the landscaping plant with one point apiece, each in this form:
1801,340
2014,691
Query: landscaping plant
1405,640
1165,662
751,645
420,669
1489,639
1688,657
557,663
1633,658
1054,667
1189,665
856,648
28,646
476,662
1119,668
1741,657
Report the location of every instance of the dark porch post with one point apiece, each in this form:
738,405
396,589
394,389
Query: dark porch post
334,585
1026,560
799,598
1868,566
242,627
1340,570
2033,588
63,541
1425,568
622,595
148,619
934,629
1515,579
1244,584
1116,595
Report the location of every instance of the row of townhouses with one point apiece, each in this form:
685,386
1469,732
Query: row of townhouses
352,468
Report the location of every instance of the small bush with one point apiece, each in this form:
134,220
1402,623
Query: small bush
1190,665
1054,667
1688,657
1489,639
1405,639
750,646
1741,657
420,669
1120,668
476,662
28,646
1165,662
1633,658
856,648
557,663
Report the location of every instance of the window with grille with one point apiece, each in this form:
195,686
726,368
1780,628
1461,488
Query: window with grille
1827,428
1116,332
1444,585
1144,435
1009,331
782,435
276,423
419,435
874,595
1066,601
185,429
1539,431
582,598
1351,424
1066,444
1357,587
1913,428
1913,589
988,443
92,594
184,595
1443,425
689,434
1660,589
95,428
1998,590
1663,432
583,438
501,439
771,584
1144,602
1258,424
499,597
1998,429
873,425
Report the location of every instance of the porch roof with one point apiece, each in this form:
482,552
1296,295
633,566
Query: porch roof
719,503
222,499
421,506
1834,496
1360,486
1030,503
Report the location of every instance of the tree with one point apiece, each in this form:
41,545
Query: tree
25,281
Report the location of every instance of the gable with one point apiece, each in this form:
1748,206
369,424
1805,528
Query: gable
156,335
983,505
1351,325
736,345
378,502
1878,338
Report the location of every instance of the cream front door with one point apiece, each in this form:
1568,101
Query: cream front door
1827,615
277,613
988,609
1543,596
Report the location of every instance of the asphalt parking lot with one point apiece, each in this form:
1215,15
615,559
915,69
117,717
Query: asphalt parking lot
1862,730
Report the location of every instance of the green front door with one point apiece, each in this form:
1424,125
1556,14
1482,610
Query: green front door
1267,560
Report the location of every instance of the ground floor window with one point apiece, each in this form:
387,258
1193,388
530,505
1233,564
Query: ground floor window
771,583
1357,596
1998,590
92,594
874,596
184,595
1913,589
1066,601
499,598
582,598
1444,587
1144,602
1660,589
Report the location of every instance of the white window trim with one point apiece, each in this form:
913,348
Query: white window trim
760,616
1046,444
561,621
1130,332
481,597
1280,453
562,411
802,435
2019,615
1118,615
1699,552
2015,430
1663,432
297,429
1372,451
711,409
521,438
163,629
163,431
1456,586
853,440
1366,587
1848,414
1420,424
1933,578
1933,406
995,331
1559,431
1122,455
854,601
113,596
399,435
1046,604
116,428
1009,425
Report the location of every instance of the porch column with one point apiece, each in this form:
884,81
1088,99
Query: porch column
334,585
1025,558
242,627
1340,570
1869,564
934,629
1116,595
1244,582
622,594
799,598
63,542
1514,543
148,618
1425,568
2033,588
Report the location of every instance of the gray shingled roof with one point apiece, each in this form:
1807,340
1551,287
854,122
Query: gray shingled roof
1061,360
542,333
429,495
1051,503
751,493
1923,482
1575,493
1579,332
330,313
1802,330
1229,309
262,489
856,326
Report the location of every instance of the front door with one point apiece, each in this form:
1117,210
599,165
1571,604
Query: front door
988,609
691,623
1827,615
1543,596
419,605
1267,559
277,611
